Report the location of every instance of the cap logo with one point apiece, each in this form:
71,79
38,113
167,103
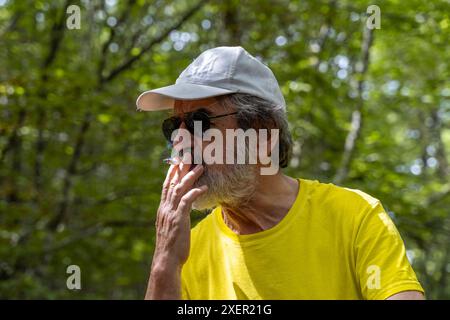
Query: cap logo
203,68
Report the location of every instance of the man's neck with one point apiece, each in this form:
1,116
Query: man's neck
273,198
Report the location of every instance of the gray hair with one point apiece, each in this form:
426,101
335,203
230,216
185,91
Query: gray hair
257,113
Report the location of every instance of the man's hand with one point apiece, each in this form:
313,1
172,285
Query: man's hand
173,227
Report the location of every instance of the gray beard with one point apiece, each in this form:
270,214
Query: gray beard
232,185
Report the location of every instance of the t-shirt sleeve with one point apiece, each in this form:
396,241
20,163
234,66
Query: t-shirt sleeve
381,264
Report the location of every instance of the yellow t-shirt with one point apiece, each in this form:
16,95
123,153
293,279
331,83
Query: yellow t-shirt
334,243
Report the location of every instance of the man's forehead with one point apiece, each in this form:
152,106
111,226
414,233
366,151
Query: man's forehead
183,106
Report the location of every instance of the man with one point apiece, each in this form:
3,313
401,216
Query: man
269,236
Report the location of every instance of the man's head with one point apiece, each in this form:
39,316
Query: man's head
230,90
234,183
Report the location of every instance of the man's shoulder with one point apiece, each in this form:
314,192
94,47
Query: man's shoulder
330,189
338,199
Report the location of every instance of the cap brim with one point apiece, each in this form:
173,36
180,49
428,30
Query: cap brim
164,98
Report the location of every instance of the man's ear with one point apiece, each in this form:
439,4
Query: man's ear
271,141
272,135
274,139
269,151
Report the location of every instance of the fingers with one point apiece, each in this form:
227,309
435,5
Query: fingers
185,184
166,184
183,169
185,164
179,180
186,201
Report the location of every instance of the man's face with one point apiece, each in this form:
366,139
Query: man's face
213,108
227,183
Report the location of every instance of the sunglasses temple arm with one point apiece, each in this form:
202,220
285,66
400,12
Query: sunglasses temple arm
222,115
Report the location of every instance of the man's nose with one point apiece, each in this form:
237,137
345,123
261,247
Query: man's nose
179,137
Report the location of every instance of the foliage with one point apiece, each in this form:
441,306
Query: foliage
81,170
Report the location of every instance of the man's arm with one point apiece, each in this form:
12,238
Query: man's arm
164,282
173,228
407,295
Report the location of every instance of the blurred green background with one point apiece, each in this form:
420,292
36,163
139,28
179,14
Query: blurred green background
81,170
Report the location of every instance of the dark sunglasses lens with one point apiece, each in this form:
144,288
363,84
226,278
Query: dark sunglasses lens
198,116
169,126
172,124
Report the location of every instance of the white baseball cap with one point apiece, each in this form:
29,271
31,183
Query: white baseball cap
216,72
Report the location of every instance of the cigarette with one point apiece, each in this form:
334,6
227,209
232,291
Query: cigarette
176,159
173,161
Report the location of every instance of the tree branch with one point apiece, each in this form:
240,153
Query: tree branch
56,36
112,34
356,122
231,22
96,228
12,140
128,63
441,153
12,23
325,30
70,172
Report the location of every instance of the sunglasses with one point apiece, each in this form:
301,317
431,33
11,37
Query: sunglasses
173,123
